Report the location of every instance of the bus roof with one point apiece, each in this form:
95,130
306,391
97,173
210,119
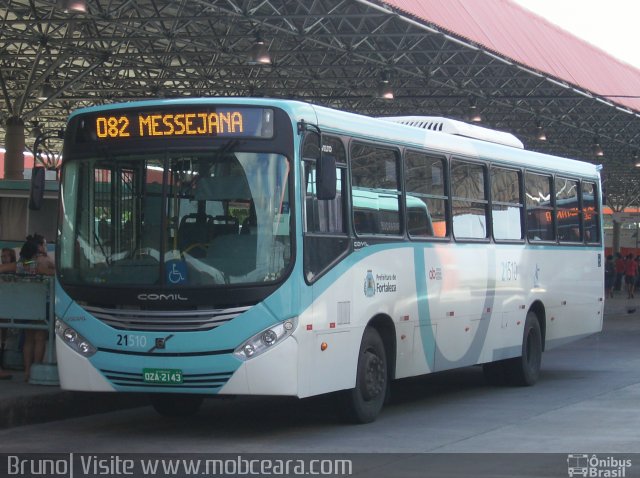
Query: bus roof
440,142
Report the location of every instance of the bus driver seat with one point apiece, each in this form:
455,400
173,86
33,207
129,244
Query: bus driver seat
194,229
250,224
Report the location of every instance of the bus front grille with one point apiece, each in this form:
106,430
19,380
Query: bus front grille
174,320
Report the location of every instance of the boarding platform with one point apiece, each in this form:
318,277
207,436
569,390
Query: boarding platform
26,302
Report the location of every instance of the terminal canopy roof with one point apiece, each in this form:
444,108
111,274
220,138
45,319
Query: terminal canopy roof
440,57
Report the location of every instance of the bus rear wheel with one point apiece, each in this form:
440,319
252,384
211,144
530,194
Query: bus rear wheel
176,405
365,401
525,370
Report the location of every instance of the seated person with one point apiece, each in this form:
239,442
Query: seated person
30,262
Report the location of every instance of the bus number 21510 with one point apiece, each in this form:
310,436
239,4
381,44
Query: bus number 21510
132,341
509,271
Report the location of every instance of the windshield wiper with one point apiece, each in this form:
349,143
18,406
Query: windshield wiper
99,242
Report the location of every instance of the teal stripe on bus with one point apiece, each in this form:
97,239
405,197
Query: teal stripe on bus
424,315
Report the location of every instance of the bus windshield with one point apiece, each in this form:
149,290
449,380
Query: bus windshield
175,219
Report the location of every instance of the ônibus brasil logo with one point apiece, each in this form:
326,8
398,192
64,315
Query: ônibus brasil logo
581,464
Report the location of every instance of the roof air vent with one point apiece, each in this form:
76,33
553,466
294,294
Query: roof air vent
459,128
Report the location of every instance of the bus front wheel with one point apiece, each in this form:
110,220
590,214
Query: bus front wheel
365,401
176,405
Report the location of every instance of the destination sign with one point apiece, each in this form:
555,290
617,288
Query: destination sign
178,123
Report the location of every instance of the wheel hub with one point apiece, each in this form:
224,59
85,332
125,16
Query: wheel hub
374,376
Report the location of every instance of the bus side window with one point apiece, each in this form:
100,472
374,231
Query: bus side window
567,210
375,189
506,204
325,227
323,216
364,221
425,195
590,213
540,217
469,198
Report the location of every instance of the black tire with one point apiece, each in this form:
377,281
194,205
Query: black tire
175,405
495,373
525,370
365,401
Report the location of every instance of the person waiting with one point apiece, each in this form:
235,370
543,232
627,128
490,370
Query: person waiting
609,276
43,257
630,273
31,262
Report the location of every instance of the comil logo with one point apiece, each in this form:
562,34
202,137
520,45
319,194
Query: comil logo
597,467
161,297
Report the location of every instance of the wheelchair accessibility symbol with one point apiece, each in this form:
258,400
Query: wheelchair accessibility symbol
176,272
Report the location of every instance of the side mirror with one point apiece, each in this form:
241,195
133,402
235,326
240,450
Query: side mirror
326,177
36,194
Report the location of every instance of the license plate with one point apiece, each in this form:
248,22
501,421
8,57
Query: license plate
162,376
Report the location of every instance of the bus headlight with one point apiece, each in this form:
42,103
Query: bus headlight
74,340
266,339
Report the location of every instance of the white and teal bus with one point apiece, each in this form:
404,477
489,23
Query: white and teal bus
268,247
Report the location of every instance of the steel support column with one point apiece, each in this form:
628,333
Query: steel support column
14,156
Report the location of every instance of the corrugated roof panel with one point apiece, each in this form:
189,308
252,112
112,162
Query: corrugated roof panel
520,35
